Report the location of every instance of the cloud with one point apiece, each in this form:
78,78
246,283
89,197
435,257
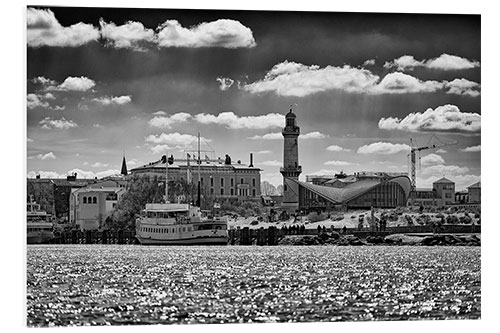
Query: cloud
369,62
323,172
43,81
431,159
443,62
225,83
81,83
172,141
221,33
49,123
268,136
35,101
273,163
264,152
446,118
131,35
119,100
295,79
443,170
463,87
160,113
232,121
48,156
338,163
441,151
29,140
400,83
43,29
81,174
99,165
133,162
162,121
97,125
313,135
472,149
385,148
336,148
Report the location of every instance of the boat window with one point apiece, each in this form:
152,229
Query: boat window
143,213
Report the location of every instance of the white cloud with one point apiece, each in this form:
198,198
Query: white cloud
472,149
48,156
264,152
400,83
160,149
446,118
49,123
130,35
49,96
160,113
441,151
43,29
431,159
118,100
133,162
97,126
29,140
34,101
162,121
443,170
273,163
313,135
323,172
369,62
338,163
295,79
81,83
221,33
81,174
99,165
443,62
336,148
385,148
463,87
172,141
43,81
232,121
225,83
268,136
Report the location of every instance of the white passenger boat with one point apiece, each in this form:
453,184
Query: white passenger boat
39,225
179,224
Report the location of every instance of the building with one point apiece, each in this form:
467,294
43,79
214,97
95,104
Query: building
462,197
221,179
445,191
426,197
291,168
89,206
474,192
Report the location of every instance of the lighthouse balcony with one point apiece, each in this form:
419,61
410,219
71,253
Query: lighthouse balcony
291,169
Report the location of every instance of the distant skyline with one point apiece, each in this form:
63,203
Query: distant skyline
102,81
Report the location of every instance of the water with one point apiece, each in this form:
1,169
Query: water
130,284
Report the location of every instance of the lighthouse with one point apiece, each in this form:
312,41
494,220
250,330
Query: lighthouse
291,168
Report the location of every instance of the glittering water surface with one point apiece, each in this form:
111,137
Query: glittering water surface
128,284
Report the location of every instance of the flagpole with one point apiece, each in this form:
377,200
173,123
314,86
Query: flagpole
166,177
199,179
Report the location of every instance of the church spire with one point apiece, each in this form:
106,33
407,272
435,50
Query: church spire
124,166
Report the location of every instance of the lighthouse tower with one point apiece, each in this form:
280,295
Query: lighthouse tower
291,168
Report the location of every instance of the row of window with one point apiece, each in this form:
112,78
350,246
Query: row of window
89,200
241,192
231,181
166,230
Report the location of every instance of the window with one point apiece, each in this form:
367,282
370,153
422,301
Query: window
211,191
94,200
221,191
201,181
232,182
253,182
232,191
285,187
211,181
241,180
253,192
84,200
222,182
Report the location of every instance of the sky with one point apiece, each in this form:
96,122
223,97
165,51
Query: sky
104,82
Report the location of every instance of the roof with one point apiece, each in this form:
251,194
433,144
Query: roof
475,185
443,180
352,190
178,164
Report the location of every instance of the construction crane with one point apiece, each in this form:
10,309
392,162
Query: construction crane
413,157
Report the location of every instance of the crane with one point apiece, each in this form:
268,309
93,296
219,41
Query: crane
413,153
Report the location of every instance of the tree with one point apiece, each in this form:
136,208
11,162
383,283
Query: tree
267,188
279,189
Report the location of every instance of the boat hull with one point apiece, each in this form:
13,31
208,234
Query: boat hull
184,241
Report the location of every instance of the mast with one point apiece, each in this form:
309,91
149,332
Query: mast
198,201
166,177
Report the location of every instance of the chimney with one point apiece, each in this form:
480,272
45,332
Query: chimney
251,160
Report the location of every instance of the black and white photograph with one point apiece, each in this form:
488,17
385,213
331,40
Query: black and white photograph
271,166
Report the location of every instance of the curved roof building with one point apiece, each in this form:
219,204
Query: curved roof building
360,191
